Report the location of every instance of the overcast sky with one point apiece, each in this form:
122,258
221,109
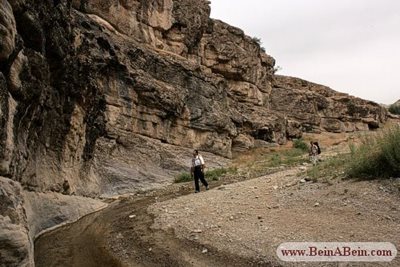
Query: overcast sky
353,46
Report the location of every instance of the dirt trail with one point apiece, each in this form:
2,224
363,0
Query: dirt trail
238,222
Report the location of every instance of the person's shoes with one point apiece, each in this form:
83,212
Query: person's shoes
196,191
207,187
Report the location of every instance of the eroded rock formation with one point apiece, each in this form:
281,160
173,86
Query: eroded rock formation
111,96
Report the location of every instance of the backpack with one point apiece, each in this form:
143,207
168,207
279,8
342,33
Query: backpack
318,148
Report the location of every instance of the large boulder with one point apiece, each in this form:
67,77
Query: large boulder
16,247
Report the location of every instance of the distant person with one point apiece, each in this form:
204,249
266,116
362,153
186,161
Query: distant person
197,171
314,152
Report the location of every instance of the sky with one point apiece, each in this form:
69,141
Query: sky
352,46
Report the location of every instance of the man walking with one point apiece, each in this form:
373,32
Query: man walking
197,171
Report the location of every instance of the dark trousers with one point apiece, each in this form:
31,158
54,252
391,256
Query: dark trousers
198,174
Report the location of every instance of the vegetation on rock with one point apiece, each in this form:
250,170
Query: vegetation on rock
394,109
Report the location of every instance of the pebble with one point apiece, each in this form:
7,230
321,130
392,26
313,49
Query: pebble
197,231
302,181
132,216
316,204
204,250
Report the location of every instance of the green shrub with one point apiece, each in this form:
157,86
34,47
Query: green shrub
395,109
300,144
215,174
212,175
183,177
377,156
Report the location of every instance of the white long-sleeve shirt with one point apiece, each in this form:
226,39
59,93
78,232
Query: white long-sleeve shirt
197,161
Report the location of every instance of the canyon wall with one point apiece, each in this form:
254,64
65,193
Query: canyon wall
100,98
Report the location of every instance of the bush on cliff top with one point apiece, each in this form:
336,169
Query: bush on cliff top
395,109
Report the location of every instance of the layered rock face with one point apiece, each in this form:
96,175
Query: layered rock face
106,97
319,108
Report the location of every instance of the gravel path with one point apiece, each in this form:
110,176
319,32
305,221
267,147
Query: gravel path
252,218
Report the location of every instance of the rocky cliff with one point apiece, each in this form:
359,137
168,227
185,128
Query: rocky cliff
107,97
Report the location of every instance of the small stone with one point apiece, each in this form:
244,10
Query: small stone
197,231
150,249
231,218
316,204
275,187
132,216
204,250
303,181
388,218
